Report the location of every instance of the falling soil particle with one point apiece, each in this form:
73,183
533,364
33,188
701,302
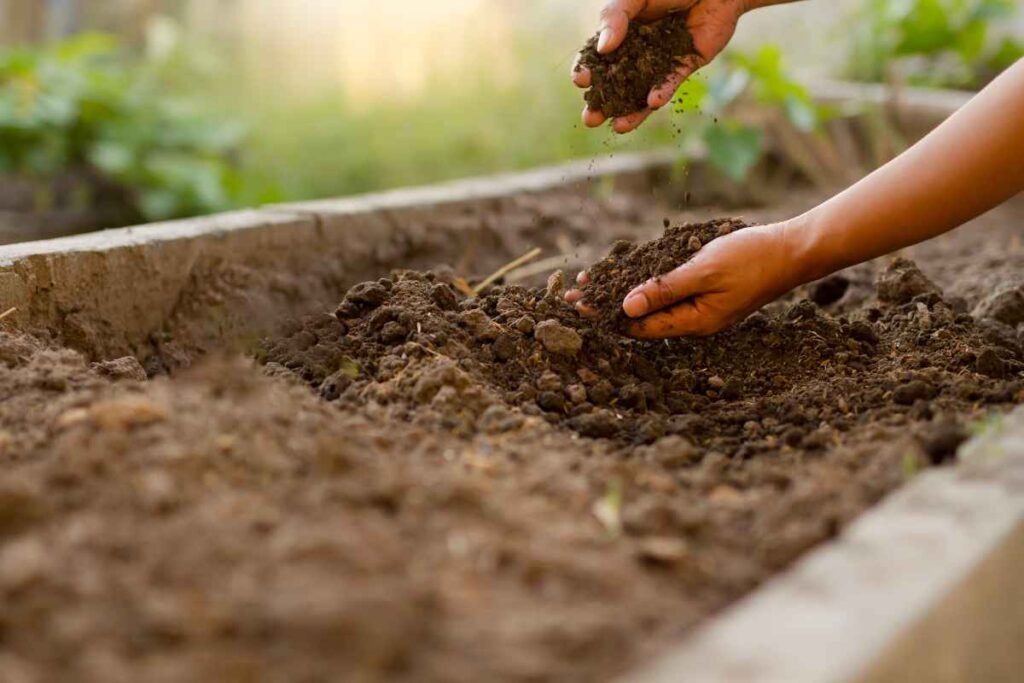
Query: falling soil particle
623,79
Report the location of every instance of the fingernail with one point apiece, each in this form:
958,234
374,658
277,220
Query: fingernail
604,39
635,305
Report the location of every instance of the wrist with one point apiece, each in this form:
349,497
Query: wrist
806,259
748,5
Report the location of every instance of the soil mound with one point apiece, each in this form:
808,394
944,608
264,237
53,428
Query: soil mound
794,375
623,79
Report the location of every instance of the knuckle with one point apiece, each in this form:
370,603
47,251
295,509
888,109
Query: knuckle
663,291
614,14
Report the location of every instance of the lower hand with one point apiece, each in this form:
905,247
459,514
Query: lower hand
727,280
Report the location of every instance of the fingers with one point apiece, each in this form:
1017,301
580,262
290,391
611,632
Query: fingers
621,125
575,297
664,93
630,122
683,320
615,18
661,292
614,25
581,76
592,119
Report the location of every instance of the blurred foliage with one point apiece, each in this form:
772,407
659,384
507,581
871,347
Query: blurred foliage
331,145
189,136
951,43
705,105
87,103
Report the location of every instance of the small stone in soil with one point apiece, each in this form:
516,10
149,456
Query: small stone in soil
1006,305
558,338
989,363
902,281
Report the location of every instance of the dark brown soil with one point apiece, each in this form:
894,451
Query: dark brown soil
416,349
623,79
629,265
431,487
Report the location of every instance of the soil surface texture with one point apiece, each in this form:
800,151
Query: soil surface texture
417,485
623,79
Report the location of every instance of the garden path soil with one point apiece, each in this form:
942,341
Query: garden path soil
423,486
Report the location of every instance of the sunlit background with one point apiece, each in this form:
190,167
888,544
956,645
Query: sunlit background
291,99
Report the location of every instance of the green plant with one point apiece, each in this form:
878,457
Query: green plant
705,106
87,104
958,43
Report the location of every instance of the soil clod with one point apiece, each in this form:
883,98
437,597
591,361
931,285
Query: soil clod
623,79
629,265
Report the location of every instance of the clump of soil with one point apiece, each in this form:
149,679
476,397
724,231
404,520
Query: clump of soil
629,265
623,79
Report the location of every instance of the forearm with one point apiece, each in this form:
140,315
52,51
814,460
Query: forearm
968,165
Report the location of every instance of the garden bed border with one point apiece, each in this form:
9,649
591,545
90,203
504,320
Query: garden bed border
925,586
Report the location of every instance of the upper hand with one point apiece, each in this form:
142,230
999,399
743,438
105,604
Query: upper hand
711,22
727,280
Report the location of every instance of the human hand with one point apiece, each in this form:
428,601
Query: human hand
727,280
711,22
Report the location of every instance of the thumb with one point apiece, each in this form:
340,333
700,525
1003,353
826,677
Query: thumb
615,18
664,290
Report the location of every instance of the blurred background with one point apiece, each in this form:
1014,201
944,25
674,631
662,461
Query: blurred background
122,111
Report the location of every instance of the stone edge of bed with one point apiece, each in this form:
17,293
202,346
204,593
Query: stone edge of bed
924,586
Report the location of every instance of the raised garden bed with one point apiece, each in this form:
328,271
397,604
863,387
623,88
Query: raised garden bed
443,504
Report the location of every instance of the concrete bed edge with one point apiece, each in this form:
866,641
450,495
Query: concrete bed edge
923,587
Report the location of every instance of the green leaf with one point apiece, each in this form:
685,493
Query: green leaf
1008,52
86,46
733,148
692,95
115,158
992,10
926,29
801,113
725,88
159,204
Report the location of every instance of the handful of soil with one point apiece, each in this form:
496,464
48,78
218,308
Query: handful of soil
650,53
629,265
